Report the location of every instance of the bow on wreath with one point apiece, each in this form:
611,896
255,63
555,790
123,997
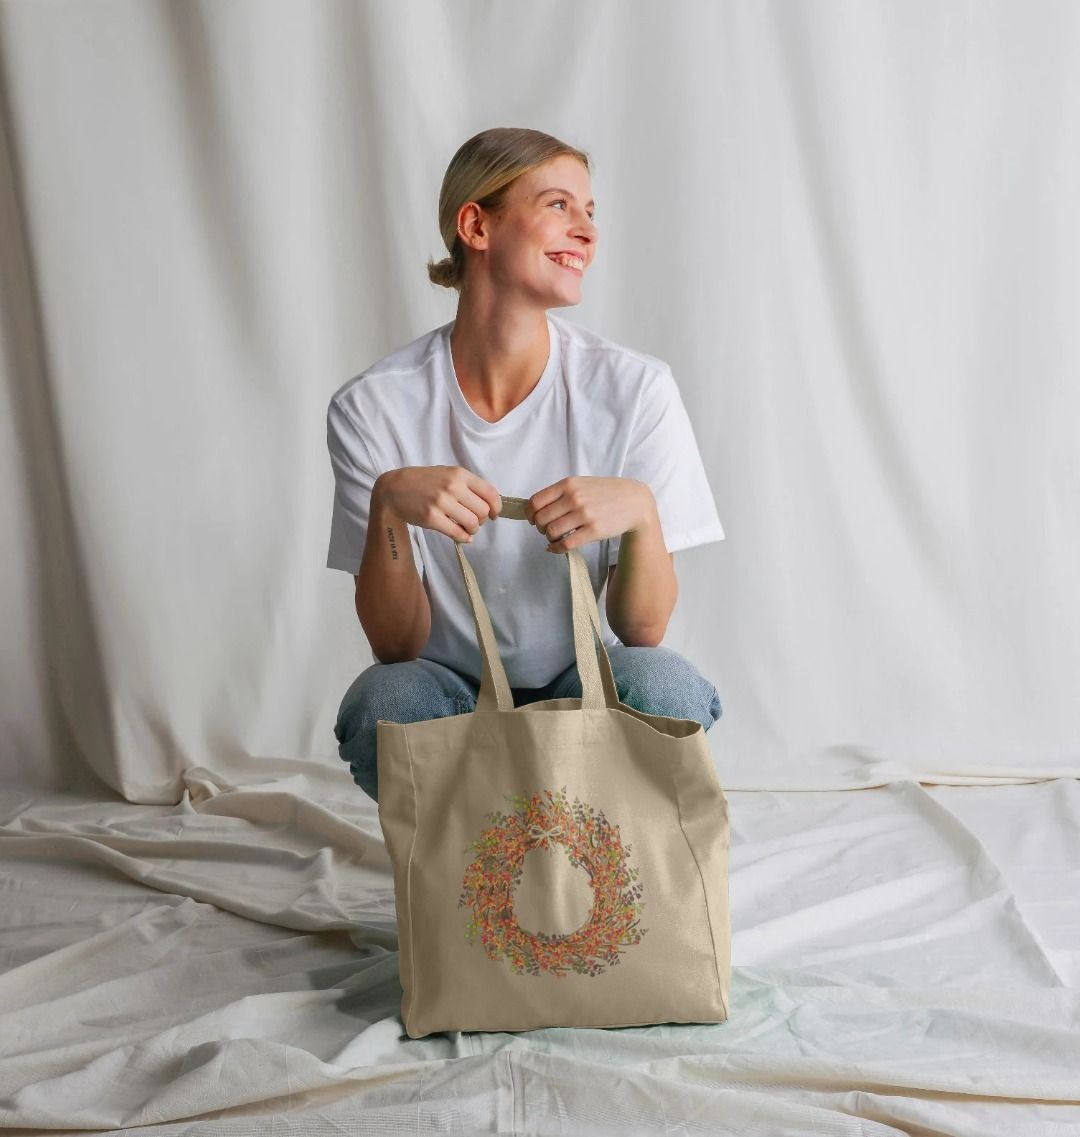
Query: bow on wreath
538,834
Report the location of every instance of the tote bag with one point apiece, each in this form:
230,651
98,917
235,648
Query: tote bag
563,863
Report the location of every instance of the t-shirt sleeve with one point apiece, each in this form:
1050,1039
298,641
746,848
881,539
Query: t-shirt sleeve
663,453
355,472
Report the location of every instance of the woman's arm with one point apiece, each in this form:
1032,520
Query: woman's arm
391,600
642,593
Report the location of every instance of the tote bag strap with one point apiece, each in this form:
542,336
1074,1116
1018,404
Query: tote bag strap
598,689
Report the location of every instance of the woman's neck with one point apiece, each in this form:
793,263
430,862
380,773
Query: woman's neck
498,357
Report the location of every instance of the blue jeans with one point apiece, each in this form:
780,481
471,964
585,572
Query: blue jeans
655,680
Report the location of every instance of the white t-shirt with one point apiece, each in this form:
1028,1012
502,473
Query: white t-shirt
599,409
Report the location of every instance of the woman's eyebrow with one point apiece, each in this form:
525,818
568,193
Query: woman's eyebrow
556,189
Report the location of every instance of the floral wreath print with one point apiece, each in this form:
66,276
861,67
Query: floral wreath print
592,843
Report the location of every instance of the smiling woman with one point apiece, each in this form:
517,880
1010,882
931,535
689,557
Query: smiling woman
505,243
516,211
587,439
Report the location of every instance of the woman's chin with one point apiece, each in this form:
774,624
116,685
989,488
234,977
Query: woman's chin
566,296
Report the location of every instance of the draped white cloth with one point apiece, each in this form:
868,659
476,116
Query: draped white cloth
849,229
905,959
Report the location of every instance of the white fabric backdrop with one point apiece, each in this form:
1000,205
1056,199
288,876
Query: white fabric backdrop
849,228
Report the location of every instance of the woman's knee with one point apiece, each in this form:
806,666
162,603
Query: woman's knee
405,692
660,681
411,691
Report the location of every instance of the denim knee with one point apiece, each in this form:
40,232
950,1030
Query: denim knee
660,681
410,691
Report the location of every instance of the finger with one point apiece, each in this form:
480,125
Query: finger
483,498
541,500
554,528
564,542
462,524
483,505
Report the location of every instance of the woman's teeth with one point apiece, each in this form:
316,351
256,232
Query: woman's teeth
575,263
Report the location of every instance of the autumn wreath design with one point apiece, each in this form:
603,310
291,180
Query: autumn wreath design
592,843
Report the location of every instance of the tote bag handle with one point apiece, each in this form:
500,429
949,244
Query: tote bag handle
598,689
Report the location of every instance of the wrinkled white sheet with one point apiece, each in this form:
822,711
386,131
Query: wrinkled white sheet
848,228
906,959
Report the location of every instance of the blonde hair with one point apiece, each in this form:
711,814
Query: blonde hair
482,170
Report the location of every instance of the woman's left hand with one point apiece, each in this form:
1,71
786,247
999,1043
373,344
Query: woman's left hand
576,510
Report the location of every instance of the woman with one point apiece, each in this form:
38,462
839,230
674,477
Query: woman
507,398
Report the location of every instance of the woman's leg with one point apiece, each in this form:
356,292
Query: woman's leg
395,692
656,680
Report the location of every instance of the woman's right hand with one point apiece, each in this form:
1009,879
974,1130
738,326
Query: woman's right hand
447,499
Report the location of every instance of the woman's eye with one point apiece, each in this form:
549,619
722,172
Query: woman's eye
562,201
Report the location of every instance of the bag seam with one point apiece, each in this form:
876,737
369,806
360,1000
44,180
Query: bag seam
705,896
408,882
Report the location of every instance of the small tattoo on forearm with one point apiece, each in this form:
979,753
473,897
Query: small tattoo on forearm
393,543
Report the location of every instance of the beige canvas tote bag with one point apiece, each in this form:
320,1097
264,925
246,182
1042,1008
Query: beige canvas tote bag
563,863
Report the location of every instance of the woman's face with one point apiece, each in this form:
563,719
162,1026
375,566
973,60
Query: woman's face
549,210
